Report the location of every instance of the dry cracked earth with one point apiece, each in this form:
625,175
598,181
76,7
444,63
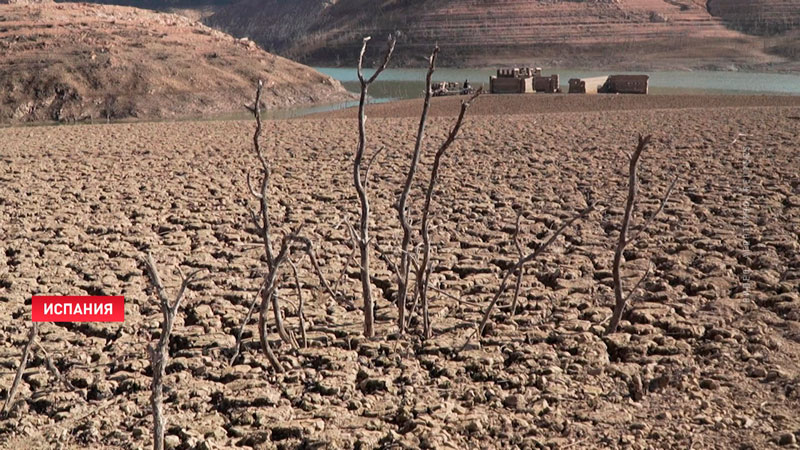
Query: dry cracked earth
706,357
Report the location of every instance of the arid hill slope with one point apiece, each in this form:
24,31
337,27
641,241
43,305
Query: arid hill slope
758,16
70,61
631,33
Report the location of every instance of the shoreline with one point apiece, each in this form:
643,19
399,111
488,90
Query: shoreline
486,105
521,104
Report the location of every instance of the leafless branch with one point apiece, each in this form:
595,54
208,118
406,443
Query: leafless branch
23,363
624,241
299,291
53,369
238,344
250,187
638,283
308,249
384,255
386,57
160,354
350,257
521,253
369,165
423,278
404,269
263,194
262,334
270,286
653,216
363,238
519,266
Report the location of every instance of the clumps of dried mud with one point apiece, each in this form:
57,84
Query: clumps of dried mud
707,356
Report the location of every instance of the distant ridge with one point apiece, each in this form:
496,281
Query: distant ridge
601,33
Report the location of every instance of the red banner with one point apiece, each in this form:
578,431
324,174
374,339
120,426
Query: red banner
49,308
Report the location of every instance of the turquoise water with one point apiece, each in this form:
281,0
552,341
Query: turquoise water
410,83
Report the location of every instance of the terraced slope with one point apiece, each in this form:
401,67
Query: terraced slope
69,61
758,16
644,33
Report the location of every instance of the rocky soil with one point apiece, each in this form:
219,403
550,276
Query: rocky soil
79,62
707,357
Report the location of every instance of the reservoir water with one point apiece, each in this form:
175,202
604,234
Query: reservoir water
410,83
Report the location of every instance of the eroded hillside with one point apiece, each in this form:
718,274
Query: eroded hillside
70,61
624,33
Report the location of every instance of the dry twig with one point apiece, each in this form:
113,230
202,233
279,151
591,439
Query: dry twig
23,363
423,273
160,354
363,237
404,269
51,366
300,314
240,332
520,273
624,240
519,266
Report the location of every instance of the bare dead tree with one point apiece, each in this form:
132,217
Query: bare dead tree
424,269
261,221
160,354
363,236
23,363
519,267
624,240
404,268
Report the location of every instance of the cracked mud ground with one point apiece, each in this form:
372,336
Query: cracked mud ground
707,356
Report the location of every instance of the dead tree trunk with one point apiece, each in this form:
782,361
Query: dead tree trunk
624,241
160,354
424,269
402,282
23,363
363,237
262,220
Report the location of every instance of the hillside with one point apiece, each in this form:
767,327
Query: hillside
70,61
758,16
607,33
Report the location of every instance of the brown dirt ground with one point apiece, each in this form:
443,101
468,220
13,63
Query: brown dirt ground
713,337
